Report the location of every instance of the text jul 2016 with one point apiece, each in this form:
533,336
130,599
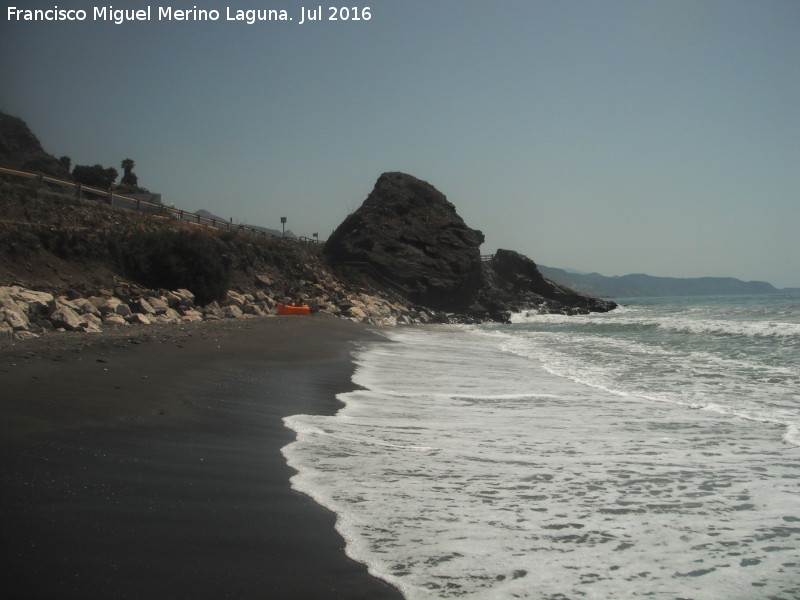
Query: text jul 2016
168,13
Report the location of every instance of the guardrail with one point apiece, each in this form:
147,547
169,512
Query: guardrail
139,205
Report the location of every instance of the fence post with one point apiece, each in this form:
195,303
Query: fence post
110,197
79,190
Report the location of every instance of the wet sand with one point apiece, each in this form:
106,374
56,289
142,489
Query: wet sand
145,463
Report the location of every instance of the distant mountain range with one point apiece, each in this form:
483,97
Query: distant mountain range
209,215
639,285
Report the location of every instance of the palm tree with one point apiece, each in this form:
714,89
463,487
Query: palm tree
129,177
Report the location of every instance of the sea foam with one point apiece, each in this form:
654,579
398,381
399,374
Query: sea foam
464,469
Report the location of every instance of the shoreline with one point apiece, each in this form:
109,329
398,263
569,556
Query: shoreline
148,464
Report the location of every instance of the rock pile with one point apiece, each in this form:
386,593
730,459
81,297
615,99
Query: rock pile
26,313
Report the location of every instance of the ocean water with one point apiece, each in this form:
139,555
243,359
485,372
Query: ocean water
650,452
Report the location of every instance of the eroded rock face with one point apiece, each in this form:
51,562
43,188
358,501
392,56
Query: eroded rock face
408,235
514,282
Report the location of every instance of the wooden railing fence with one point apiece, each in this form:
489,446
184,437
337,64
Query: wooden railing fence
140,205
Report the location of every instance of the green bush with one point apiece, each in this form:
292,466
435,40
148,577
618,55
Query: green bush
177,259
95,176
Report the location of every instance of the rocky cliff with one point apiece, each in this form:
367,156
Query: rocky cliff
408,235
513,283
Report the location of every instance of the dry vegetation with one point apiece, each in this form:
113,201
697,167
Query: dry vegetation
51,240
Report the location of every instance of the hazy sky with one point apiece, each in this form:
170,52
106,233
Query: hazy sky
614,136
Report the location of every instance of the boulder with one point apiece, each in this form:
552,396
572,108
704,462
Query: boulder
25,335
188,298
6,299
36,303
253,309
29,303
66,318
232,312
105,304
407,236
173,299
138,319
171,316
82,306
263,281
73,304
144,307
235,299
114,319
266,303
123,310
92,323
192,315
16,319
356,313
159,304
178,298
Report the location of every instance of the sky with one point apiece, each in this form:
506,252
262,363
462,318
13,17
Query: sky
618,136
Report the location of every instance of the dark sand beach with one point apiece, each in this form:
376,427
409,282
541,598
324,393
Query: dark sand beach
145,463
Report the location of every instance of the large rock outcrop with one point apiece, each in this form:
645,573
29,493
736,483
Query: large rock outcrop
408,235
513,282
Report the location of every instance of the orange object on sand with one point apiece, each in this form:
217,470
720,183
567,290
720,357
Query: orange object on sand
285,309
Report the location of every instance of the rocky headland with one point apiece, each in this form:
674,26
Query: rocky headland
410,238
405,256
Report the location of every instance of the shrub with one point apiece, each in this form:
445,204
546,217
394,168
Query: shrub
95,176
176,259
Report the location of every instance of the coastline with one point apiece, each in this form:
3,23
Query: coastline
146,462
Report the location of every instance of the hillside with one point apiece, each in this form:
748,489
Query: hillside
49,239
639,285
20,149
